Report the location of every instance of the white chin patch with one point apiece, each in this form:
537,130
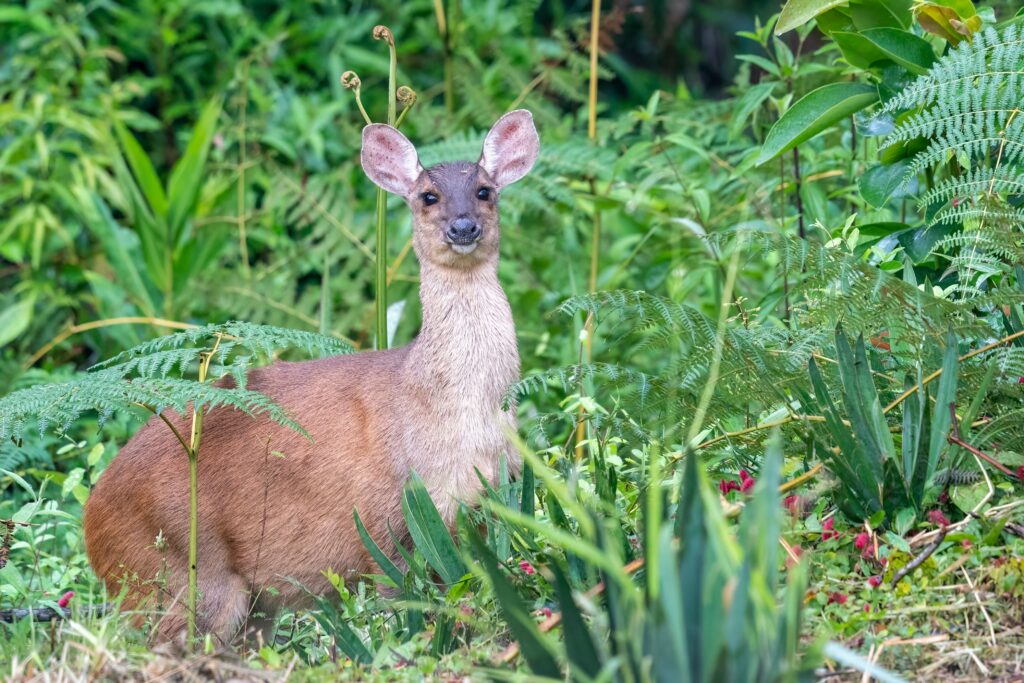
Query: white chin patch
464,248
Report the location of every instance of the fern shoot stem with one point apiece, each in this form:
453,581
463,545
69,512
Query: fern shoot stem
381,280
595,232
192,589
381,256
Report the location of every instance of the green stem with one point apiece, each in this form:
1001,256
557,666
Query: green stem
381,278
193,547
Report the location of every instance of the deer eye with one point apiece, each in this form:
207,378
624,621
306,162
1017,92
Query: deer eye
483,194
429,198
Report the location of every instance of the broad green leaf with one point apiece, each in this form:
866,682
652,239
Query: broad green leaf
429,532
868,14
15,319
883,181
904,48
798,12
815,112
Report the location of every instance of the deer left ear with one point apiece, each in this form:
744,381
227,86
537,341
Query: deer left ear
510,148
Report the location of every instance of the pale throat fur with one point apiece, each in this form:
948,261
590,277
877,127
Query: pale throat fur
460,368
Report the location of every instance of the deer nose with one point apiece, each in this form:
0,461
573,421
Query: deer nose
463,231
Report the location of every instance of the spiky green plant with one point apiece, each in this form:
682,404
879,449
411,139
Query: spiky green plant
706,612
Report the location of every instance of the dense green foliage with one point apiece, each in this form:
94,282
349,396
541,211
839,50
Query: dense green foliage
830,251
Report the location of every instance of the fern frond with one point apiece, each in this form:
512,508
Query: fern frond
107,391
260,341
988,55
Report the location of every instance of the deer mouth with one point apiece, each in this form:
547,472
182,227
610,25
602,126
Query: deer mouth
464,247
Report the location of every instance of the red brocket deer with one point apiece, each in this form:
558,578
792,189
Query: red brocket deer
433,407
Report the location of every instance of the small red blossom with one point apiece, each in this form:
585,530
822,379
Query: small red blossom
746,481
827,531
795,505
838,598
1020,470
1020,380
867,608
526,567
65,599
937,518
546,611
727,485
965,544
943,498
875,581
862,540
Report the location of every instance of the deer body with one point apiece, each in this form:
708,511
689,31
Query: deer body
276,507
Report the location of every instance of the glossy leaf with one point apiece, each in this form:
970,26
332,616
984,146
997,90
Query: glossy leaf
796,13
813,113
883,181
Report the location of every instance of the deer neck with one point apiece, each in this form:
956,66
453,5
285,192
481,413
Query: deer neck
466,351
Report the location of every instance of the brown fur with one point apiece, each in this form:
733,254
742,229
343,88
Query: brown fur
433,406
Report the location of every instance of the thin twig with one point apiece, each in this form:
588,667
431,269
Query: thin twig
935,375
954,437
981,606
917,561
97,324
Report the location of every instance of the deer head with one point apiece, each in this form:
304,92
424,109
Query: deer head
454,205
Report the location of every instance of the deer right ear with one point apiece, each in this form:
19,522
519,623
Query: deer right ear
389,159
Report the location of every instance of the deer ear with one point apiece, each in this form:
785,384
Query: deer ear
510,147
389,159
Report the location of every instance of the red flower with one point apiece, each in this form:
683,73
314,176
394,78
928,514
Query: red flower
1020,470
827,531
546,611
746,481
861,541
838,598
965,544
867,608
937,518
727,485
526,567
875,581
943,498
65,599
795,505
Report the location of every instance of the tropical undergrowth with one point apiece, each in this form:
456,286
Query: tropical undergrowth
830,256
